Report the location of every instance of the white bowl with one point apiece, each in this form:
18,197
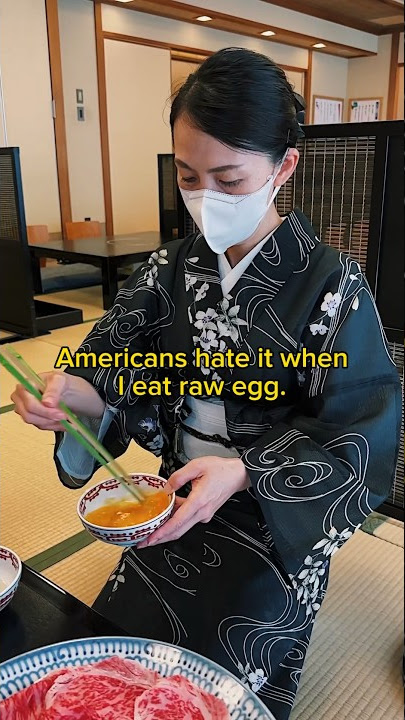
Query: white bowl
10,573
112,490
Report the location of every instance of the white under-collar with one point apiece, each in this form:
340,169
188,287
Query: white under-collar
230,275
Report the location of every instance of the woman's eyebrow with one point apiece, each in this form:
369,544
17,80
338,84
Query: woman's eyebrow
182,164
221,168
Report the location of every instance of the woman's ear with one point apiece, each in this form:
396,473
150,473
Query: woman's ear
288,167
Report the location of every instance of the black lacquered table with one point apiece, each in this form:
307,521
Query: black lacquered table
41,613
107,252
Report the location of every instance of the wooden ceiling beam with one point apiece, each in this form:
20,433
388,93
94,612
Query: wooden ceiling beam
393,3
332,15
229,23
389,30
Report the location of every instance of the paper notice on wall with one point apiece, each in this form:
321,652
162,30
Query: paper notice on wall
366,110
327,111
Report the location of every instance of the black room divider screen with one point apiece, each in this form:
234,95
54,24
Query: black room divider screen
20,313
17,311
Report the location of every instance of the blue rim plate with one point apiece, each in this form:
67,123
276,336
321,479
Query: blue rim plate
22,671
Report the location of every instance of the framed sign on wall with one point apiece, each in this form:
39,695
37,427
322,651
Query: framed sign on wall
365,109
327,110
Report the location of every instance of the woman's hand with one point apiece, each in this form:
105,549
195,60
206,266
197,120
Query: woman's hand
214,480
76,392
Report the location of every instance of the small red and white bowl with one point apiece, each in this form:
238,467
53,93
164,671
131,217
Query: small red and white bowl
10,573
112,489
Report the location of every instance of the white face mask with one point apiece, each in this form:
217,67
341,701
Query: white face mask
227,220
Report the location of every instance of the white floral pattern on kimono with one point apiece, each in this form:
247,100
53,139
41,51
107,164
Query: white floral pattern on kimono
151,273
310,580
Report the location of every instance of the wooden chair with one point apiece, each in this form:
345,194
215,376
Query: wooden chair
38,234
77,230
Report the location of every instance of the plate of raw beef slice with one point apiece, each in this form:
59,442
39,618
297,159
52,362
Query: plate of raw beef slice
120,678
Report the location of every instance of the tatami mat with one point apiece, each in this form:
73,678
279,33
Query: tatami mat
391,531
36,510
70,337
84,573
89,300
353,669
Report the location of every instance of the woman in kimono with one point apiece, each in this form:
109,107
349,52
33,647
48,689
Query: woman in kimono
268,487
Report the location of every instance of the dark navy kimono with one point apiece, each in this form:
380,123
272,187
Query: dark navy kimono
245,588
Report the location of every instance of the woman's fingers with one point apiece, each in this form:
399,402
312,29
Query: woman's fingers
29,404
55,385
188,514
39,421
33,412
178,502
44,414
214,481
189,472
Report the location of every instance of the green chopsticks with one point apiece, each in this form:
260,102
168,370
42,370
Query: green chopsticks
33,383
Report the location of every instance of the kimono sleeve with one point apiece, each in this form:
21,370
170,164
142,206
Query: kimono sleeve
322,471
132,325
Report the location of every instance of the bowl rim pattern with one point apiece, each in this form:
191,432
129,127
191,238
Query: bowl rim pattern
125,528
16,580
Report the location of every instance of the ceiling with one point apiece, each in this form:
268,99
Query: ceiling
374,16
230,23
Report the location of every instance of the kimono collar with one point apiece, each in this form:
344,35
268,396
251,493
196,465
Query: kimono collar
218,322
285,251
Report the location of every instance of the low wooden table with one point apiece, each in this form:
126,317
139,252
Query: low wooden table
108,253
41,613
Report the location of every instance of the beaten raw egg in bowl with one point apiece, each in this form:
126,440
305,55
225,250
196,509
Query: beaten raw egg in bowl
109,513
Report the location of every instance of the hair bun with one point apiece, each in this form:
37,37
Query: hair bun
244,100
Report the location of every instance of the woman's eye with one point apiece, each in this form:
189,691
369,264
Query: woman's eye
232,183
188,180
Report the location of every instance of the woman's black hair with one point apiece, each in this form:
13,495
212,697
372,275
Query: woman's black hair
244,100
